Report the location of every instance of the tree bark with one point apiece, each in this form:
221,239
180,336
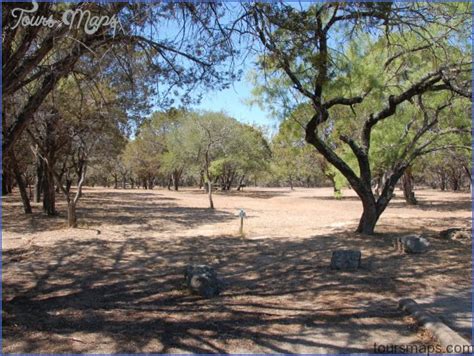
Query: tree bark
407,186
469,176
209,193
241,181
369,217
176,176
21,186
201,180
38,181
71,215
4,184
442,181
49,193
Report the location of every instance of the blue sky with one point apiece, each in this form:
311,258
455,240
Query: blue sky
232,101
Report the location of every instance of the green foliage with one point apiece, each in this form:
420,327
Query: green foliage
211,145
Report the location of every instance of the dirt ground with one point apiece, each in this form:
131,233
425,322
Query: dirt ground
114,285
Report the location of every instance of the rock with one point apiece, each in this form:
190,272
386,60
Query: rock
347,260
412,244
455,233
202,280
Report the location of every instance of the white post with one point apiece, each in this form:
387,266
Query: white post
242,216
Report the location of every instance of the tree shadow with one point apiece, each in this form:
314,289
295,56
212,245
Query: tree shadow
332,198
279,295
461,203
150,210
250,193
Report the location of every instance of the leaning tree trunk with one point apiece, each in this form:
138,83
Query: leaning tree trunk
241,181
407,186
209,193
21,186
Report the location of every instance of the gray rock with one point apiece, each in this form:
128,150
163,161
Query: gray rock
346,260
455,233
202,280
413,244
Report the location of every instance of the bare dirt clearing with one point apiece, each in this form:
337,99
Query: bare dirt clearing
121,290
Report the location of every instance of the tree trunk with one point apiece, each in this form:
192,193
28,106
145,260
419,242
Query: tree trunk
378,186
241,181
4,184
71,215
369,217
175,181
115,182
469,176
49,193
21,186
201,180
6,181
407,186
38,181
442,183
454,183
68,185
209,193
176,176
336,191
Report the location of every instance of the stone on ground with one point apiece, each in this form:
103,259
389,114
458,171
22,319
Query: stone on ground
455,233
413,244
202,280
346,260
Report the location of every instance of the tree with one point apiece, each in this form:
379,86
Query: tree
363,62
75,128
295,160
37,58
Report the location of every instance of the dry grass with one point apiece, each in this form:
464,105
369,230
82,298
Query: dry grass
120,291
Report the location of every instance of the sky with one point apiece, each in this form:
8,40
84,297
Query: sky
232,101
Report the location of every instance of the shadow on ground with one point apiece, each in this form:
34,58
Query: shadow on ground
254,193
279,295
118,208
